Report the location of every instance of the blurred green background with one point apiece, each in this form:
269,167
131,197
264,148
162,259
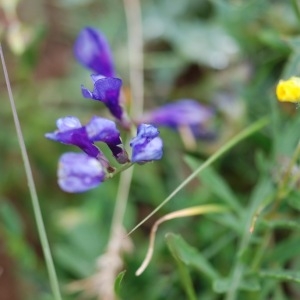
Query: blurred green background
227,54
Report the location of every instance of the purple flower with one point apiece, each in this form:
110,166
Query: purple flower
78,172
71,132
104,130
92,50
147,145
185,112
106,90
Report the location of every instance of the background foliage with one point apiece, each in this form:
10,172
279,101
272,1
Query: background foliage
227,54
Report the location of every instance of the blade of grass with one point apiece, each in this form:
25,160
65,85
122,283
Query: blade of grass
33,194
231,143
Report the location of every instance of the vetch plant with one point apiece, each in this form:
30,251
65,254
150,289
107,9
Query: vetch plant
92,50
80,172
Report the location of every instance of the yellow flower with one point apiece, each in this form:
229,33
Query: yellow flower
289,90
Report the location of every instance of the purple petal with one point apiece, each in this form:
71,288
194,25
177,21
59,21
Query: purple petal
67,123
86,93
96,77
146,146
92,50
106,90
78,172
147,131
184,112
76,136
104,130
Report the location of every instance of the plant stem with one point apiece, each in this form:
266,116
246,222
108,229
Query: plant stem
135,48
120,170
231,143
135,51
32,189
121,202
135,55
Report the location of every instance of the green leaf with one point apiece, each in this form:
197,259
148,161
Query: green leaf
284,251
283,224
281,275
216,183
183,270
250,284
190,256
118,281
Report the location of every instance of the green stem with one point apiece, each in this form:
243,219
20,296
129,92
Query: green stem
135,55
135,52
121,202
120,170
34,198
231,143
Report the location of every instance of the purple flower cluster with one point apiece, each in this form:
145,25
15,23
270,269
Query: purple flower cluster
79,172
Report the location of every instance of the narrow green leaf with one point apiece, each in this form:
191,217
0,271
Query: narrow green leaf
284,251
182,267
281,275
283,224
118,281
190,256
249,284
